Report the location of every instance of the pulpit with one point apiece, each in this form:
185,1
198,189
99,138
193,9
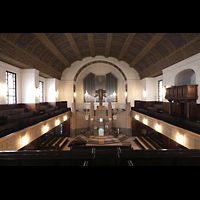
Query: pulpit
184,94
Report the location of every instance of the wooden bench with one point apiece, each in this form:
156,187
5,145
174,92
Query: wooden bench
61,143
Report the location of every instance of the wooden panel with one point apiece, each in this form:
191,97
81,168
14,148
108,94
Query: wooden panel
175,92
180,92
185,92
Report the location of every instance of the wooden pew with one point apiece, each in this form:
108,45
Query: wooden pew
61,143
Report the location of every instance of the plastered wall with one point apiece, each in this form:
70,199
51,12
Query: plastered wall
26,82
150,85
133,80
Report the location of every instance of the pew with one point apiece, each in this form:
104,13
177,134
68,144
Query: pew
61,143
14,117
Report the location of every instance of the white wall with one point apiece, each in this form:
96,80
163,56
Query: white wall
169,77
7,67
27,81
148,85
133,80
52,86
169,74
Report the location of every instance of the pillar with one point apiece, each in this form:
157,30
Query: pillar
110,114
91,116
73,121
29,82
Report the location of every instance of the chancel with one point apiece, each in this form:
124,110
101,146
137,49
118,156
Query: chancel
99,99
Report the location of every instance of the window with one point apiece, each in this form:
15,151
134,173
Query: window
41,96
160,90
11,87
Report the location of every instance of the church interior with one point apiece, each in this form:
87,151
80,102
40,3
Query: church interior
99,99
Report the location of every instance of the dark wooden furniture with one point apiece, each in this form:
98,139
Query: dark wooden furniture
184,94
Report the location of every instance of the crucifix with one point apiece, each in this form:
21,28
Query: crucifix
101,93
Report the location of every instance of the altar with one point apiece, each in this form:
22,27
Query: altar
101,121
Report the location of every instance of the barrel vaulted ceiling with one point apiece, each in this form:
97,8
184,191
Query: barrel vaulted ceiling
51,53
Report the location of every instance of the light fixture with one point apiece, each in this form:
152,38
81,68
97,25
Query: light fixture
37,91
86,93
179,138
144,93
145,121
114,94
25,140
157,127
46,129
57,122
74,94
86,117
114,117
126,94
65,118
137,117
163,91
56,94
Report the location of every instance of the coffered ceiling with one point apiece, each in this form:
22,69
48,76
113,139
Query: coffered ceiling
51,53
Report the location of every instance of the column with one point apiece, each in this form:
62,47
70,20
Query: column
91,117
29,81
73,121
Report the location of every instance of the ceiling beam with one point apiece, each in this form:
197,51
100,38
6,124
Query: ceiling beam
72,42
147,48
91,44
44,39
17,56
108,44
186,51
126,45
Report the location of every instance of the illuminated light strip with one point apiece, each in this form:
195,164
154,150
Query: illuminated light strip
17,140
182,136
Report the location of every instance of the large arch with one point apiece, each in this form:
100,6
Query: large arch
100,69
129,75
99,61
